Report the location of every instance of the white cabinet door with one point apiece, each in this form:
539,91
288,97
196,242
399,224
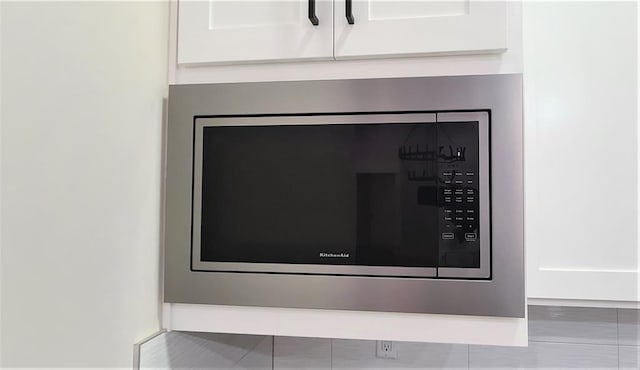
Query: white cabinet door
408,28
216,31
580,73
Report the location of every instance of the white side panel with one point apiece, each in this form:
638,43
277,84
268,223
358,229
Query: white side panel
224,31
1,237
347,324
82,89
397,28
581,150
449,65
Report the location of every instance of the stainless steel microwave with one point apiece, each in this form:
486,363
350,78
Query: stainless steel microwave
401,195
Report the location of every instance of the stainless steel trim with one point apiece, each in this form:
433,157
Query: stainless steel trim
317,120
484,197
418,272
483,123
327,269
502,295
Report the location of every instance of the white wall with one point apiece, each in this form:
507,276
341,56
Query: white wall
82,90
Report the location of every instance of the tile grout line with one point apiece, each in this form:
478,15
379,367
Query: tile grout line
251,350
331,353
575,343
618,335
273,352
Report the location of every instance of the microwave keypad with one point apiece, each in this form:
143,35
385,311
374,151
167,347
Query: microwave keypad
458,195
460,208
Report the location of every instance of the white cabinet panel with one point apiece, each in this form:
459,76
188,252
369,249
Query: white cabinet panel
486,63
580,73
406,28
228,31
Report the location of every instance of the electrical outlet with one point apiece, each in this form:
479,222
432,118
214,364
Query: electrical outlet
386,349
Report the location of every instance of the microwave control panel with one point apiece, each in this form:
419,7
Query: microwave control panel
458,194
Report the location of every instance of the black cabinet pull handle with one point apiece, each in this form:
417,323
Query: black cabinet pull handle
312,13
349,11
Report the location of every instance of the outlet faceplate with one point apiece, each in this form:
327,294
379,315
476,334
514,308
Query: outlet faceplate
386,349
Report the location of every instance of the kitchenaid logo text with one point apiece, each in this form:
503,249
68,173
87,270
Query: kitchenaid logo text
334,255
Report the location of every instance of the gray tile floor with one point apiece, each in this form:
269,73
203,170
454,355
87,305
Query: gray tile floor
559,338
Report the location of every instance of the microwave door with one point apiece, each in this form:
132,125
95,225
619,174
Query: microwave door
343,199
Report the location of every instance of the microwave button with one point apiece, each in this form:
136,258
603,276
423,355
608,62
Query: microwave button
470,237
447,236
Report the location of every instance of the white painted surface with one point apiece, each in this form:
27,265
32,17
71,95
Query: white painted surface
386,28
581,150
1,236
507,62
223,31
346,324
638,155
82,87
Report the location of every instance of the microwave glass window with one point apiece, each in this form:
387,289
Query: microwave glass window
319,194
351,194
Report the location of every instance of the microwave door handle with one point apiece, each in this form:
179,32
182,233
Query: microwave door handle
349,11
312,13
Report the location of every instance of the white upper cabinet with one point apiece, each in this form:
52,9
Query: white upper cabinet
224,31
232,31
405,28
